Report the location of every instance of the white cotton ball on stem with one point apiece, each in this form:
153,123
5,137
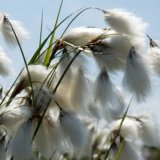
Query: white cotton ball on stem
48,139
64,87
106,57
5,64
110,50
128,25
108,60
61,99
73,129
117,109
67,79
153,58
150,133
139,43
79,91
13,116
149,130
82,35
39,74
125,22
42,98
20,146
64,62
118,45
129,129
136,78
7,31
130,151
104,91
113,42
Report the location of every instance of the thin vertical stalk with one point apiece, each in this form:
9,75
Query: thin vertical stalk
118,132
23,56
48,54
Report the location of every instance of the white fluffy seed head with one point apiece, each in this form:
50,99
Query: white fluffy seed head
118,45
136,74
82,35
103,88
42,98
130,151
38,74
117,108
109,60
7,32
64,62
13,116
5,64
48,139
154,59
23,136
78,95
73,129
110,50
150,133
125,22
129,25
149,130
129,130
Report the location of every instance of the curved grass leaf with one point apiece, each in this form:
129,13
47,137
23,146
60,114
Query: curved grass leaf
55,89
120,149
118,132
48,54
23,56
32,61
40,35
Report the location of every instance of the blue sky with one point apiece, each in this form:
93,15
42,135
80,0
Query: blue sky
29,12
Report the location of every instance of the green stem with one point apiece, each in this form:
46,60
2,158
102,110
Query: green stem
48,54
120,149
118,132
23,56
65,71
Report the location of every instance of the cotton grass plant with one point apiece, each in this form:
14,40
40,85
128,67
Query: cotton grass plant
57,110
